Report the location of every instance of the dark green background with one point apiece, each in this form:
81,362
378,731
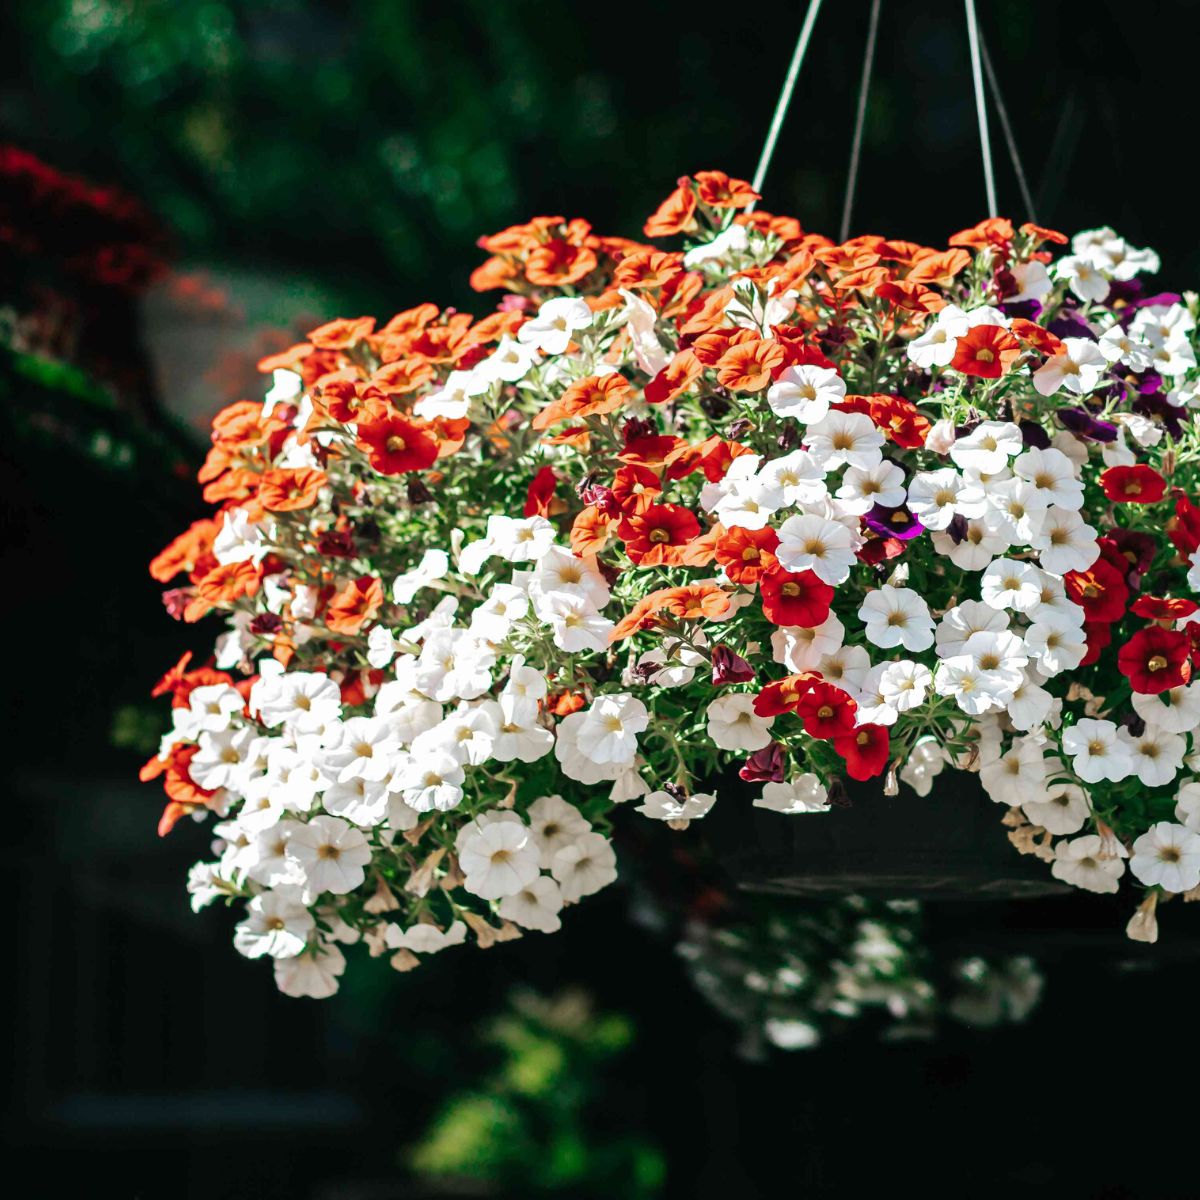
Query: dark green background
317,158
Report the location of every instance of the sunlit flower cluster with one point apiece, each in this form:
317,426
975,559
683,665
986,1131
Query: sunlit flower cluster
764,504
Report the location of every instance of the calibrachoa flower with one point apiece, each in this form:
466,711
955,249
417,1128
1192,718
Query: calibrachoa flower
752,501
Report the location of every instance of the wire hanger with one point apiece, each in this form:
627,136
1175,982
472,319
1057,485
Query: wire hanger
983,78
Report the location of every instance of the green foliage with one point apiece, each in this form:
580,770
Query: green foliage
534,1120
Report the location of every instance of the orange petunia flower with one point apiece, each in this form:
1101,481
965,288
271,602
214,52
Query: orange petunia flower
1035,336
284,490
584,398
719,190
648,269
1040,234
674,379
558,262
657,536
937,266
995,231
689,603
356,604
396,445
910,296
186,551
401,376
747,367
987,351
342,333
676,214
635,488
747,554
591,531
495,272
228,582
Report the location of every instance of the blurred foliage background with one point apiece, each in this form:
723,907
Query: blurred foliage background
302,159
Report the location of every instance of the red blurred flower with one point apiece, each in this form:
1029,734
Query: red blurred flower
1163,608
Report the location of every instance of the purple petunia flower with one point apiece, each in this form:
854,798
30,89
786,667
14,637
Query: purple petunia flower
893,522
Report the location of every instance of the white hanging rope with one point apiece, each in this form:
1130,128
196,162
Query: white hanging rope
785,96
978,58
985,143
860,119
1006,127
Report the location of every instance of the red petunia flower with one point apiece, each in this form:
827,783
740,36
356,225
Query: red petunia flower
782,695
827,711
539,496
747,554
657,536
396,445
865,751
1163,608
987,351
795,598
1098,635
1138,484
1156,659
635,488
1101,591
1184,527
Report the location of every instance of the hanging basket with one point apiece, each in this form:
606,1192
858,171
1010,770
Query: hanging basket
949,844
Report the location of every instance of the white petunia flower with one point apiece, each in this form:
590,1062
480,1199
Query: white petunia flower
1078,366
935,498
1008,583
535,906
662,806
1064,542
988,447
434,565
1167,856
844,438
556,321
498,857
812,543
800,648
897,617
806,393
1063,809
313,973
331,853
277,924
584,866
1083,863
734,725
803,794
1097,751
1054,476
609,729
1157,755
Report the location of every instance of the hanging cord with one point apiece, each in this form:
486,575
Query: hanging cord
860,119
985,142
1006,127
785,96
